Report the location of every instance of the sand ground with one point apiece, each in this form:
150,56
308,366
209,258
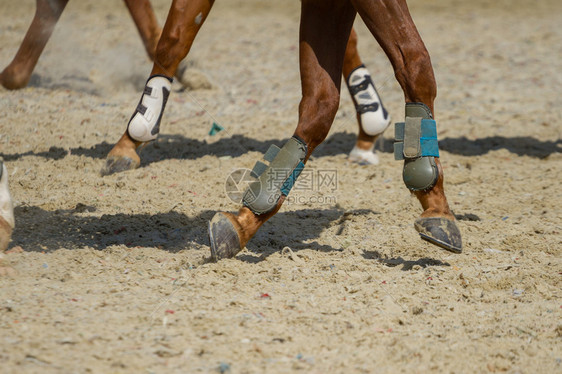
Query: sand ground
110,274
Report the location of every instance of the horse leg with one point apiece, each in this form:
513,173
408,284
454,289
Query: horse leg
184,20
143,15
372,117
391,24
324,31
6,209
147,25
16,75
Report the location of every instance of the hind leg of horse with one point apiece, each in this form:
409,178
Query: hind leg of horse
184,20
391,24
143,15
372,117
147,25
17,74
324,31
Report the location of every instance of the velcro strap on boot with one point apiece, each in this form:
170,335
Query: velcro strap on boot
259,169
362,90
415,142
271,153
278,178
290,182
363,85
417,137
412,134
364,108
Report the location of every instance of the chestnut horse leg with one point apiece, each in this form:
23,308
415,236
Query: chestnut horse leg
372,117
16,75
324,32
143,15
149,30
184,20
391,24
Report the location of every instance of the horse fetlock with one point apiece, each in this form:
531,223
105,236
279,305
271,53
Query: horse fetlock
119,164
276,180
192,79
374,118
415,142
144,125
438,211
364,156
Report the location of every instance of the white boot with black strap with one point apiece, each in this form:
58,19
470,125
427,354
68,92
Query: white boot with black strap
372,116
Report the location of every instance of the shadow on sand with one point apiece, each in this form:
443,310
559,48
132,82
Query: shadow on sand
399,261
42,230
180,147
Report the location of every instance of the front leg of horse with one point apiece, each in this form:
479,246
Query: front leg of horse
372,117
325,27
416,144
416,137
182,25
229,233
17,74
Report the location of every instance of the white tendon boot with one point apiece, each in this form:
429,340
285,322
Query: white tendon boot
7,221
374,118
145,122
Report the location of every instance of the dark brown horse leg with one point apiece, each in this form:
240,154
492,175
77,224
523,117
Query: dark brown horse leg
372,117
17,73
324,31
391,24
184,20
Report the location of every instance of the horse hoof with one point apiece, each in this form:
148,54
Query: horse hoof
223,237
118,164
440,231
363,156
192,79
